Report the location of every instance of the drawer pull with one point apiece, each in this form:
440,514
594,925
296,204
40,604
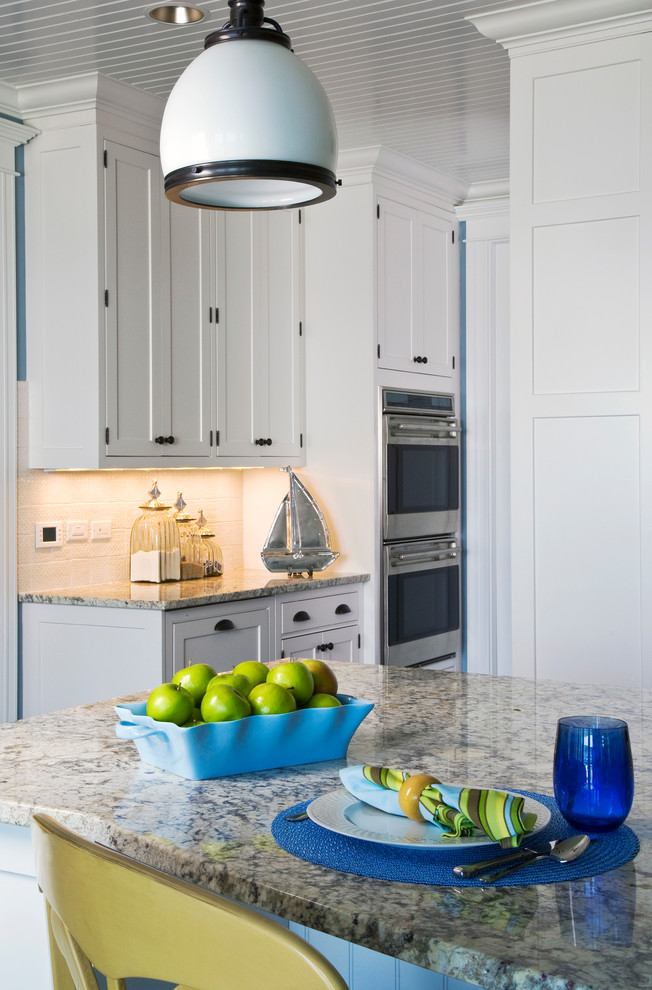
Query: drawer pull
301,617
342,609
223,625
329,646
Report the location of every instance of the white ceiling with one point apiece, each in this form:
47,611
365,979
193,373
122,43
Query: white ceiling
411,75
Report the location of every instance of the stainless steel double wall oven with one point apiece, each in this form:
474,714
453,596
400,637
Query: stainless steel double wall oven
421,523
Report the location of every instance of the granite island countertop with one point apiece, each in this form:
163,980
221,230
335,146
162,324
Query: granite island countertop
234,585
585,935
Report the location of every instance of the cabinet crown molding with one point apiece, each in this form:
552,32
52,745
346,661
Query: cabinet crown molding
90,91
360,165
547,24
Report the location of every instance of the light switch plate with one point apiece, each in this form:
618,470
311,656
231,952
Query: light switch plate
48,534
101,529
76,530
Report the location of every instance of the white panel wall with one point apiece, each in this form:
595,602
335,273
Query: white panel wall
486,434
581,359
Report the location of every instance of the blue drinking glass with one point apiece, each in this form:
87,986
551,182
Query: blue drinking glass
593,774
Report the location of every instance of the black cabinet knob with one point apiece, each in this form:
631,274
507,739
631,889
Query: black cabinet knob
342,609
269,441
263,442
223,625
170,440
301,617
425,360
159,440
329,646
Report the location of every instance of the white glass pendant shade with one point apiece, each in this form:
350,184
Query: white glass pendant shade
256,117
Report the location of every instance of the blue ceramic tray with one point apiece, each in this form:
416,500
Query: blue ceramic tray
259,742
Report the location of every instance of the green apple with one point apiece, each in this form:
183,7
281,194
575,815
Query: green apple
170,703
271,699
294,676
223,704
253,669
238,682
195,678
324,701
195,719
323,675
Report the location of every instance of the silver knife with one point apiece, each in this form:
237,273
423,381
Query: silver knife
523,853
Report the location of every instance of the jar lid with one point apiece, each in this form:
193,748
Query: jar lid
177,513
154,502
204,528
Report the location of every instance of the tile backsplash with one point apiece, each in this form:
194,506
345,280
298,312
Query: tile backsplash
53,496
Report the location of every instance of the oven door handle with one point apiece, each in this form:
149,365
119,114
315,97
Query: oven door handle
424,429
403,559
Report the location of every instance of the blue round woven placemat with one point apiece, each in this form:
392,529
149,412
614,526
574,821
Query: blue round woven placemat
406,864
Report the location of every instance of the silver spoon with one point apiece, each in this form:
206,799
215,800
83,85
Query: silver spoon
564,852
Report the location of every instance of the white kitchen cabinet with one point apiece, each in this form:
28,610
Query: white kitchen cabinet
118,336
158,374
157,335
260,351
324,626
220,635
72,655
417,312
78,654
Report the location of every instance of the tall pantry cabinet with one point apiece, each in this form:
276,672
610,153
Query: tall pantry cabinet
157,334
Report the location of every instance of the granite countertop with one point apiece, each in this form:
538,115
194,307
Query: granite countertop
236,584
593,934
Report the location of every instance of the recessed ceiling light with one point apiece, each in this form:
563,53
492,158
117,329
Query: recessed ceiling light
176,13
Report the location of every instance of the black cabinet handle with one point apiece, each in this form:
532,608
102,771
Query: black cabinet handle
425,360
301,617
342,609
170,440
321,647
263,442
223,625
418,360
163,439
330,646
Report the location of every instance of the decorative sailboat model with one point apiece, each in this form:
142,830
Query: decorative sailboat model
299,540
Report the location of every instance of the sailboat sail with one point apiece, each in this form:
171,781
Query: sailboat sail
299,539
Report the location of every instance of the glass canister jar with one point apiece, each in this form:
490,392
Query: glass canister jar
155,547
189,540
211,551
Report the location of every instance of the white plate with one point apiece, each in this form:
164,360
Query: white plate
340,812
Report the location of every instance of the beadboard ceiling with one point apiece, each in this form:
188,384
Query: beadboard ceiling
411,75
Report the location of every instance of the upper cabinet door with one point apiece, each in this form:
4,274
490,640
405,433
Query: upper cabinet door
137,313
260,342
158,374
417,309
186,393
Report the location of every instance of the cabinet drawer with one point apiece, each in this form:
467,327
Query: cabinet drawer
315,613
221,637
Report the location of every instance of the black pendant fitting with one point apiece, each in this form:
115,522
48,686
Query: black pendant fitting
246,23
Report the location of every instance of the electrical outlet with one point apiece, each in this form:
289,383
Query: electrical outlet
48,534
76,530
101,529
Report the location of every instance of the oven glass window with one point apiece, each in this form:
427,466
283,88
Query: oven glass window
422,604
422,478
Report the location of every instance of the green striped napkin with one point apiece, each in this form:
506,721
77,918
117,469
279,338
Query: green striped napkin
457,811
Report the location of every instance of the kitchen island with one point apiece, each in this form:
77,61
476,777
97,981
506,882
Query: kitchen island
594,933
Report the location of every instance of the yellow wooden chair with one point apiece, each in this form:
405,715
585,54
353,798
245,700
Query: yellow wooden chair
127,919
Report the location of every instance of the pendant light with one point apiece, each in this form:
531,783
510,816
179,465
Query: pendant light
247,126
